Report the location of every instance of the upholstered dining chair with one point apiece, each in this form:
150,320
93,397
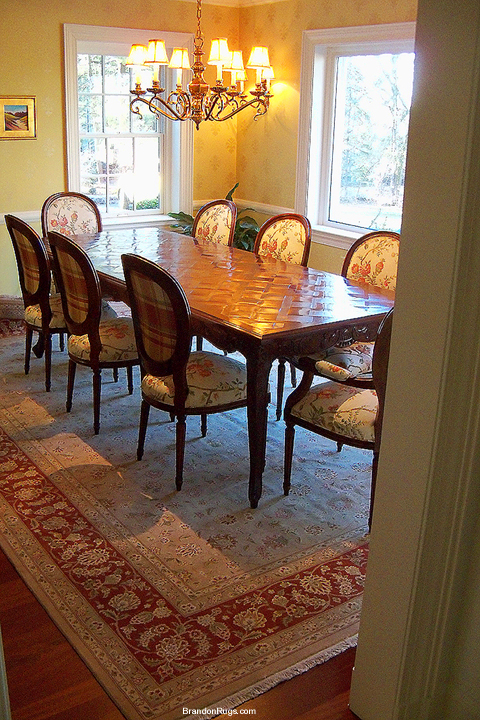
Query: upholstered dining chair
345,414
70,213
93,342
284,237
215,221
371,260
174,379
42,311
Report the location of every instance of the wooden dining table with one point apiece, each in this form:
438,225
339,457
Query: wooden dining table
263,308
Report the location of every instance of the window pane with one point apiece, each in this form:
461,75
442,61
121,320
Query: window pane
117,76
90,113
117,114
89,69
372,106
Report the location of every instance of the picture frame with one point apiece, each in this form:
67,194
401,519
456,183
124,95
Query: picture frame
18,117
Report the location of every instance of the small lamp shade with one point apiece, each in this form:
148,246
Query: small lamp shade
156,53
258,58
180,59
219,52
137,55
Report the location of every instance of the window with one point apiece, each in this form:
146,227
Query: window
355,105
133,167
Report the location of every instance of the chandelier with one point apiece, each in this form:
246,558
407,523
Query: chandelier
200,101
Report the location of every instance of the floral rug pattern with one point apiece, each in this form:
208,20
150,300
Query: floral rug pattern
177,599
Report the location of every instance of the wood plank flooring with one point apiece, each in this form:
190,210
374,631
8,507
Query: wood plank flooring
48,681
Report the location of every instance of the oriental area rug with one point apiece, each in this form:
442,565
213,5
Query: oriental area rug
185,599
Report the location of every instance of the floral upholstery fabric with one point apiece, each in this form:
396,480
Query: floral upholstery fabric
33,314
212,380
284,240
215,224
341,409
117,338
375,262
70,215
345,363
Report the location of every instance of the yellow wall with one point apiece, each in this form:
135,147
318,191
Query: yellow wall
260,155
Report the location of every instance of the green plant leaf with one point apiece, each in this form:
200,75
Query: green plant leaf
229,195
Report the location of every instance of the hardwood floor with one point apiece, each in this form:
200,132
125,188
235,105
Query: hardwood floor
48,681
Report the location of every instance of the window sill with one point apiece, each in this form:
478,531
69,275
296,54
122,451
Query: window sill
334,237
132,221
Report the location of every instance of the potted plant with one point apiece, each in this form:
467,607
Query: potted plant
246,228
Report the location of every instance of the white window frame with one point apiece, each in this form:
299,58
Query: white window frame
314,150
178,156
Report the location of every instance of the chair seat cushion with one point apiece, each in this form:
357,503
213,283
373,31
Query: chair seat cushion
213,380
340,409
345,363
117,338
33,314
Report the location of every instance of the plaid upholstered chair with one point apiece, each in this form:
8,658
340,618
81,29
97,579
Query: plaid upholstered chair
215,221
43,311
94,342
70,213
284,237
345,414
371,260
174,379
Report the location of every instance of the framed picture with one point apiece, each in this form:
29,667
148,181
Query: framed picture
17,117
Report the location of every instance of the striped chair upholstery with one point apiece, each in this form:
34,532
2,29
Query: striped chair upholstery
43,312
93,340
215,222
70,213
174,379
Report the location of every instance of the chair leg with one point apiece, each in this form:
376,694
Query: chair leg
72,367
293,375
203,417
130,379
199,344
180,450
339,446
28,349
287,471
48,361
142,430
97,385
61,341
372,489
280,385
115,374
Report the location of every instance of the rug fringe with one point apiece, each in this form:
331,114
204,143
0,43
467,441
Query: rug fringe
262,687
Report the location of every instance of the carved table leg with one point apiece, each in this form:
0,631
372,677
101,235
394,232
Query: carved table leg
258,371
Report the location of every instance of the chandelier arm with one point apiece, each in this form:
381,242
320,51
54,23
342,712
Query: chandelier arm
260,105
171,113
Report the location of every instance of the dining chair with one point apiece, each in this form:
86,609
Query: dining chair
93,342
371,260
284,237
215,221
70,213
174,378
340,412
42,310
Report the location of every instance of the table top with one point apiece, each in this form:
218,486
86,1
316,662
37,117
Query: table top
255,295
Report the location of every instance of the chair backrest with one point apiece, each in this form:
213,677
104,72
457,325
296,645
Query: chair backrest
215,221
381,354
161,320
33,265
70,213
285,237
373,259
79,288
